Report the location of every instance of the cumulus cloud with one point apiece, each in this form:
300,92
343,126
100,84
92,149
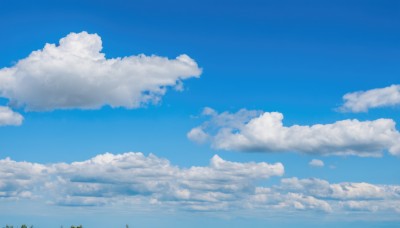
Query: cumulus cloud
316,163
107,177
320,195
264,132
9,117
342,191
76,74
198,135
347,196
361,101
133,179
20,179
274,199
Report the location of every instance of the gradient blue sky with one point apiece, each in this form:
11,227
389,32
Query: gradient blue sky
294,57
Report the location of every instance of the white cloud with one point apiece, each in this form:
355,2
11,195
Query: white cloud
342,191
316,163
8,117
347,196
136,180
264,132
361,101
20,179
312,194
108,177
198,135
75,74
294,194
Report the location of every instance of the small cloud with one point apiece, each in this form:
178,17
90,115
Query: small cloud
316,163
198,135
9,118
361,101
209,112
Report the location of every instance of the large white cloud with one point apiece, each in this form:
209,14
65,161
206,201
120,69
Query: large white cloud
361,101
133,179
75,74
264,132
9,117
108,177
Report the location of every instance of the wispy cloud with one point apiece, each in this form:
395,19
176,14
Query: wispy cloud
316,163
361,101
264,132
75,74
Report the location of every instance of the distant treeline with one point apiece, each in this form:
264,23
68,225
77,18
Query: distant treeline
25,226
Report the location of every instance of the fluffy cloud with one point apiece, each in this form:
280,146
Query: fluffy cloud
8,117
361,101
108,177
316,163
20,179
75,74
264,132
342,191
133,179
320,195
274,199
347,196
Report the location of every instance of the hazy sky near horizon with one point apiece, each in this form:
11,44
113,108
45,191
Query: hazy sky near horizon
201,113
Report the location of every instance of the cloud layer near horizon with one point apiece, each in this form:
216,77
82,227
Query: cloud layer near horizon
107,176
361,101
75,74
264,132
133,178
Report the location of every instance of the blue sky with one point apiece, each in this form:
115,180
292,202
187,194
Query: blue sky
296,58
